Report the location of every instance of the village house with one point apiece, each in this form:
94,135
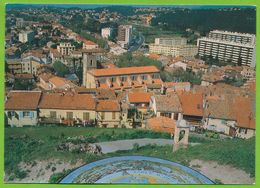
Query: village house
244,109
122,78
176,86
211,78
167,106
192,108
14,66
88,45
21,108
248,73
154,88
197,66
178,62
219,117
30,64
48,81
108,113
24,78
67,108
139,100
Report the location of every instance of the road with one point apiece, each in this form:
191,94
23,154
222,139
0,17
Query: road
113,146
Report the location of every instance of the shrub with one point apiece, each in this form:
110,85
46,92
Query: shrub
136,147
53,168
56,177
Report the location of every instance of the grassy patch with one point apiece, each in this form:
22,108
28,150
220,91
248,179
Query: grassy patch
235,152
40,143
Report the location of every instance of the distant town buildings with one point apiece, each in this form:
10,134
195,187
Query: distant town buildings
106,32
26,36
175,46
124,35
238,48
19,22
65,48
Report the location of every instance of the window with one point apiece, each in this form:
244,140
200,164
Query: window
176,116
53,114
70,115
133,77
123,78
166,114
85,115
102,115
113,115
144,77
113,79
26,114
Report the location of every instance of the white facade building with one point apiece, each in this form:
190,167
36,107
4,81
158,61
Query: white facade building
244,38
228,51
65,48
26,36
124,35
106,32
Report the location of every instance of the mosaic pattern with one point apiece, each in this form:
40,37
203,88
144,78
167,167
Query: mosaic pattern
135,170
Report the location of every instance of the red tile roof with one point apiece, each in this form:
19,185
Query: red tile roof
244,111
67,101
191,103
124,71
22,100
108,106
162,124
88,42
139,97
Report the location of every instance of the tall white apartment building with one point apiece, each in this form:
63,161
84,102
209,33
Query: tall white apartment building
170,41
244,38
26,36
124,35
65,48
225,47
106,32
175,46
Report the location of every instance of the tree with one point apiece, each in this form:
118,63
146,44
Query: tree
60,68
128,60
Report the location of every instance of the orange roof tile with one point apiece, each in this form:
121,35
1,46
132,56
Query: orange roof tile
154,56
22,100
59,81
192,103
124,71
88,42
162,124
139,97
68,101
244,111
108,106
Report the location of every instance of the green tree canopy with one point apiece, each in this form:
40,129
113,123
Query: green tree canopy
60,68
128,60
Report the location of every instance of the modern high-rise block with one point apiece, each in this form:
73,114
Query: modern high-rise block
124,35
238,48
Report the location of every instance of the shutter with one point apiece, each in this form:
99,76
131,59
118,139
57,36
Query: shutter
32,114
21,114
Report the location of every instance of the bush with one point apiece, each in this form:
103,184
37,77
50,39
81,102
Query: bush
53,168
20,174
56,177
136,147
